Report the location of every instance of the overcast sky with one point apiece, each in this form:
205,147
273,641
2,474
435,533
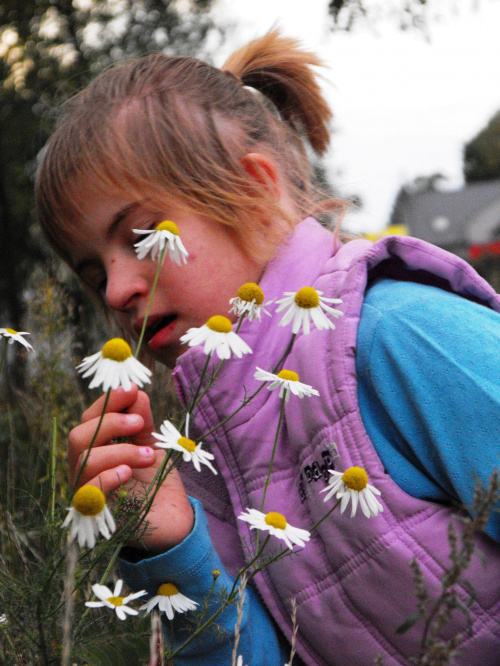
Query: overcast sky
403,107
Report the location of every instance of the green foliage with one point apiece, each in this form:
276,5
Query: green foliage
405,14
131,649
34,493
482,153
49,49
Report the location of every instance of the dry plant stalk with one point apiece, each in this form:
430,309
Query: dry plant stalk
239,617
434,650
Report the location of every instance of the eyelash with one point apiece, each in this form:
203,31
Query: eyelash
100,285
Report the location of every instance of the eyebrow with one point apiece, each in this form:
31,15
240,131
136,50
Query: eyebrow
120,216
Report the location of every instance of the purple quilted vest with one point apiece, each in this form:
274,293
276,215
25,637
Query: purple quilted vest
352,581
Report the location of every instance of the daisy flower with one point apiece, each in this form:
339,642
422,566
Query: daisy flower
275,523
3,619
249,301
217,335
171,438
353,485
169,600
114,366
164,234
89,516
306,305
13,335
287,381
113,599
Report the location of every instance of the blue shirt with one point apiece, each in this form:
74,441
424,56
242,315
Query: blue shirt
428,367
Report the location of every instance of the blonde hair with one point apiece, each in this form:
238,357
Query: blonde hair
166,127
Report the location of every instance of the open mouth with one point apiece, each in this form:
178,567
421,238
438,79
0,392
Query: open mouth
158,325
161,332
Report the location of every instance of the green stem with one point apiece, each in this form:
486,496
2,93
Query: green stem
9,640
240,321
245,402
271,462
111,563
150,302
155,485
194,401
224,604
53,455
198,398
4,351
317,523
87,454
273,452
101,582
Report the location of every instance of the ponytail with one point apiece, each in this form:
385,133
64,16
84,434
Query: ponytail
279,69
175,127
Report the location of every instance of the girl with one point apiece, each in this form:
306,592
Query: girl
408,381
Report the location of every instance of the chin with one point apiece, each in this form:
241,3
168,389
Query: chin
167,357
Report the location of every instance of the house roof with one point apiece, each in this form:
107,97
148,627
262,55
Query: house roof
462,217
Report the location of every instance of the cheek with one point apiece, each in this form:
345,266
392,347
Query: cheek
123,322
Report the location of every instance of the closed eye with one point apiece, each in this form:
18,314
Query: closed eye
94,277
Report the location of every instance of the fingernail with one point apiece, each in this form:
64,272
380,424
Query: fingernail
145,451
132,419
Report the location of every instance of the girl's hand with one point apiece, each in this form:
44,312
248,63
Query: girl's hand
112,466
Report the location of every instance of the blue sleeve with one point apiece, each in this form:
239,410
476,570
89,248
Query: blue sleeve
428,366
189,567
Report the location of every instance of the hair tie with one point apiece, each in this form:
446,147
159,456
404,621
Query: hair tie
234,76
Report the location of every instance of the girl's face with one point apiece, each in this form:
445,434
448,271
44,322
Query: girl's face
185,296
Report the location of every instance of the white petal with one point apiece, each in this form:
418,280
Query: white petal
120,611
364,505
354,498
345,501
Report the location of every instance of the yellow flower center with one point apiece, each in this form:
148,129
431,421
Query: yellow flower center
307,297
116,601
219,324
11,331
251,292
89,501
355,478
276,520
187,444
167,590
116,349
168,225
289,375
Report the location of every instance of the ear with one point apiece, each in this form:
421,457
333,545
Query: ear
263,170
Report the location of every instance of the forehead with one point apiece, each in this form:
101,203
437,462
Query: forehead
94,215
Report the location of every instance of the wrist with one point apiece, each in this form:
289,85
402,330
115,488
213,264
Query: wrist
163,533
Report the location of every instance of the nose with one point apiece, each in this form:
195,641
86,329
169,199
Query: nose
125,283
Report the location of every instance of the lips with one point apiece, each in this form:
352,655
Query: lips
160,331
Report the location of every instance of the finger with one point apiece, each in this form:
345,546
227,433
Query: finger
112,479
142,406
112,425
118,401
103,459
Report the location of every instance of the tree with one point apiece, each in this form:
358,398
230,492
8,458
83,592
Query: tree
48,50
407,14
482,153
